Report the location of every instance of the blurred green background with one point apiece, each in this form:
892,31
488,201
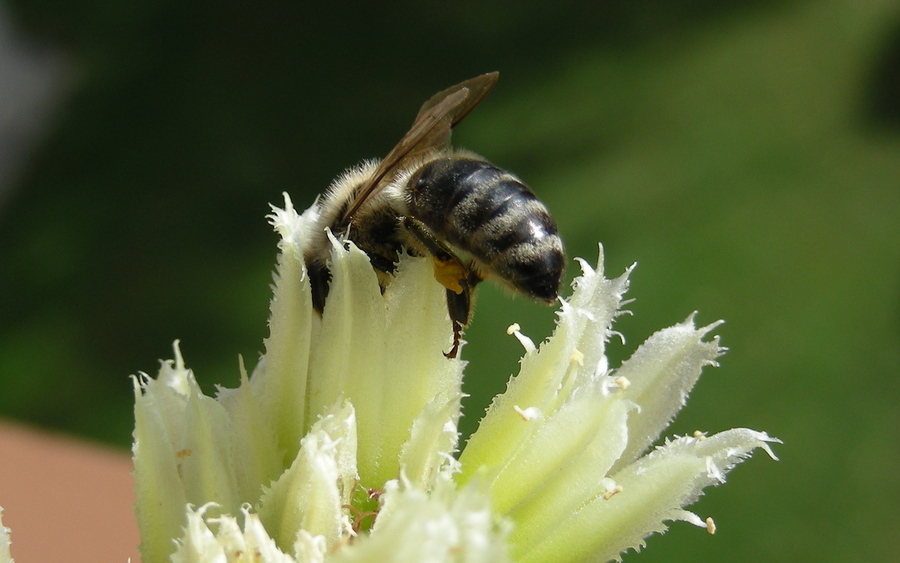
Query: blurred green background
745,154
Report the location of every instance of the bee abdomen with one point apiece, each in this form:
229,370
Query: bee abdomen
458,198
491,214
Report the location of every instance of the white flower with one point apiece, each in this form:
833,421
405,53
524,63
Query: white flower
340,446
5,557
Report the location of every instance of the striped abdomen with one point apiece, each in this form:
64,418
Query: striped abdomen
493,216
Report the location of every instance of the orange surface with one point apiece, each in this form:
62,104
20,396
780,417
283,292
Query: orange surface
65,500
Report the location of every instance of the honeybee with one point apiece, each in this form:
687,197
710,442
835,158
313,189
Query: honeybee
473,219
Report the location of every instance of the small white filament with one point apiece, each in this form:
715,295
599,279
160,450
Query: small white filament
526,342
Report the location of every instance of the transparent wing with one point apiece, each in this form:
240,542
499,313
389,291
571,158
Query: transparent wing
430,130
478,88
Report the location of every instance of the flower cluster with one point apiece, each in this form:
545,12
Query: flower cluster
343,446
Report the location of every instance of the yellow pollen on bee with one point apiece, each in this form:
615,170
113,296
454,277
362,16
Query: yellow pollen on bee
449,274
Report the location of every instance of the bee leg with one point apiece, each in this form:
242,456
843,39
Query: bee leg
449,270
382,264
459,305
319,279
454,274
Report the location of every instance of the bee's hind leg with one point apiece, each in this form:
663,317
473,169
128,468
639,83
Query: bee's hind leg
451,272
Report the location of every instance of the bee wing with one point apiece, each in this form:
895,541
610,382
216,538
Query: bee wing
430,130
478,88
